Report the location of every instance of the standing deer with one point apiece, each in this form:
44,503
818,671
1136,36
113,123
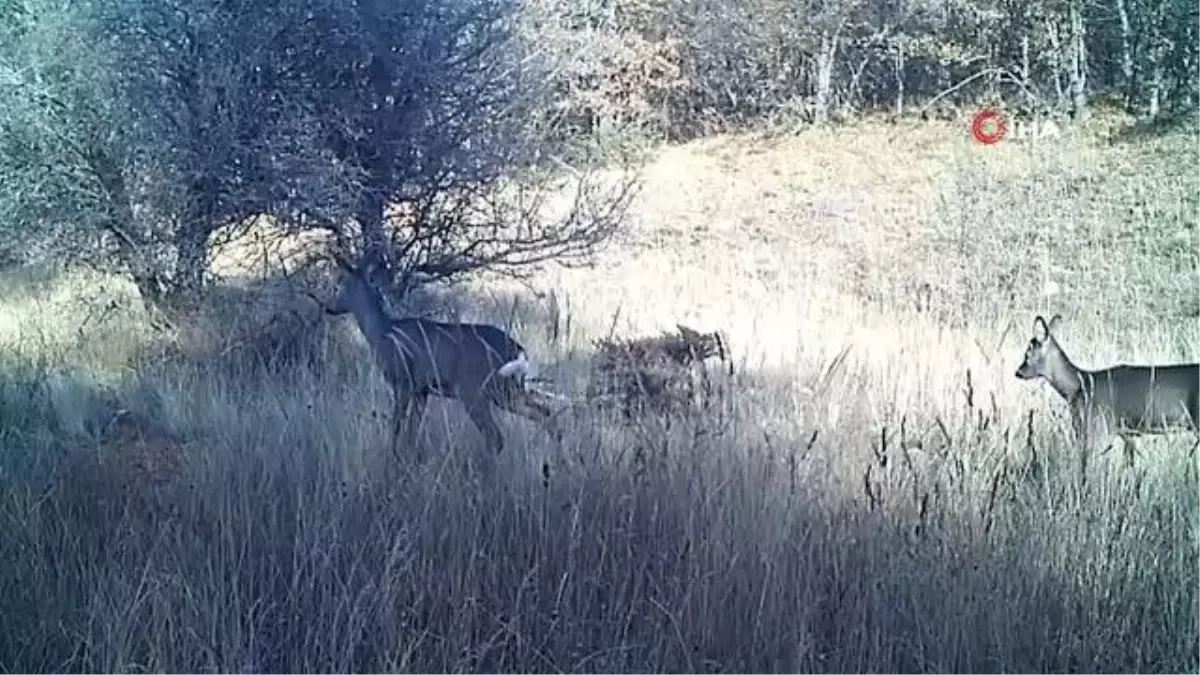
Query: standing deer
477,364
1122,401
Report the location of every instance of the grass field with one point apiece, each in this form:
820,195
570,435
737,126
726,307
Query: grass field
874,490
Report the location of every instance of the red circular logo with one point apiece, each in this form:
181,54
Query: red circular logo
989,126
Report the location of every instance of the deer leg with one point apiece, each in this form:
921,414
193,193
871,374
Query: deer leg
400,400
416,414
479,410
408,408
529,405
706,386
1084,438
1130,450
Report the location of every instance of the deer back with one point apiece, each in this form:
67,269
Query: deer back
1144,397
450,359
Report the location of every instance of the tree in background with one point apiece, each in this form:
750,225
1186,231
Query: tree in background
711,65
131,131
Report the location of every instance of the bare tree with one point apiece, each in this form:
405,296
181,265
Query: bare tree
133,130
434,103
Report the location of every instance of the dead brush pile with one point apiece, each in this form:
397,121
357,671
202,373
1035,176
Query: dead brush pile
133,467
663,373
140,454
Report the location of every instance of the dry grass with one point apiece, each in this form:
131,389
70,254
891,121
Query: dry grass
875,491
665,373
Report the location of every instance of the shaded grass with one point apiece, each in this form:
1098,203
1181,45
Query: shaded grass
874,491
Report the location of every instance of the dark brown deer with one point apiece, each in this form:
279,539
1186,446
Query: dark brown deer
480,365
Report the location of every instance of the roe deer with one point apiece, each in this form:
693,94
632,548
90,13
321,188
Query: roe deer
1120,401
477,364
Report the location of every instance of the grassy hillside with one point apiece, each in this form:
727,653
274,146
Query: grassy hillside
873,490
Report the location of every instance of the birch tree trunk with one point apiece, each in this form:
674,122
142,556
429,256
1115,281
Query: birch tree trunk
1127,55
825,62
1079,65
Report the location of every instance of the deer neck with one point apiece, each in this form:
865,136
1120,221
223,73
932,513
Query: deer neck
372,320
1065,377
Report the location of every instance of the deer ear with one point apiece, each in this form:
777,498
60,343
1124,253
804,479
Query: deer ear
380,274
1055,325
687,332
1040,331
722,350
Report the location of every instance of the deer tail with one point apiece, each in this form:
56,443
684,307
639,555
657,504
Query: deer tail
519,367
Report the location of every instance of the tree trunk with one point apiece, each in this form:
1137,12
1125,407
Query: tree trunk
191,263
1187,80
898,73
1154,106
1079,65
1056,55
825,62
1026,85
147,278
1157,51
1127,55
378,160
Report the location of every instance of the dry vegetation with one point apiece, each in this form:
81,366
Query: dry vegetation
665,373
874,490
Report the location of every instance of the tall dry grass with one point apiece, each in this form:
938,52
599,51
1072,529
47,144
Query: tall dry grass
873,491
